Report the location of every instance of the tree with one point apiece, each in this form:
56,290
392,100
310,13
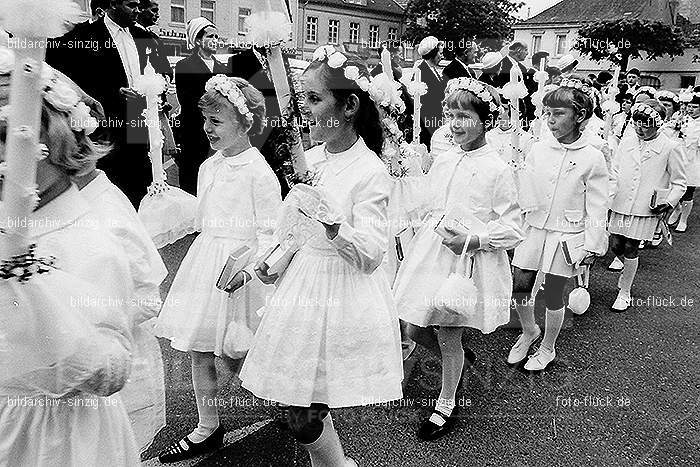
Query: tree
458,21
620,40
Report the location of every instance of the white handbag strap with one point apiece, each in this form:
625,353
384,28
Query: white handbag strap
464,260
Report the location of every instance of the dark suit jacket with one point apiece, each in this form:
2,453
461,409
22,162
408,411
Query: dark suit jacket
527,108
431,103
456,70
157,55
90,57
191,75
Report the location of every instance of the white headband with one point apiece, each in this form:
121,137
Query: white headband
648,111
227,87
475,87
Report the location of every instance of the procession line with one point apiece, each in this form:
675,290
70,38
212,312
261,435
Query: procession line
230,438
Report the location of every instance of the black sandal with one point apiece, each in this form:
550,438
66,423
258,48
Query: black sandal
437,425
186,449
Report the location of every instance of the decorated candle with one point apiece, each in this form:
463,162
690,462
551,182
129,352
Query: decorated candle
416,107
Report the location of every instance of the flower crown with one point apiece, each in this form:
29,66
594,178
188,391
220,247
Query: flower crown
475,87
575,84
646,90
648,111
668,95
383,91
59,94
227,87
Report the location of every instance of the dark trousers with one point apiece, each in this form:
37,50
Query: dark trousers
129,168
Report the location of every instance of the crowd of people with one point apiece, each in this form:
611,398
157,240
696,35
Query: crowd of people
370,263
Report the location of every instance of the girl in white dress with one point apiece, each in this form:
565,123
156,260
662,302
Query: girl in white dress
238,202
691,137
329,337
650,161
144,393
570,180
476,181
71,414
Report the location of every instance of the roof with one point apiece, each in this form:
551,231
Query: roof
585,11
382,6
690,9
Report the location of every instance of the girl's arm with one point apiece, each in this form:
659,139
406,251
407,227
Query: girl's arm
597,203
677,161
504,232
364,243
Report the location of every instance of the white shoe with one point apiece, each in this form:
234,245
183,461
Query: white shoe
642,244
522,346
681,227
622,303
658,238
540,360
616,265
675,215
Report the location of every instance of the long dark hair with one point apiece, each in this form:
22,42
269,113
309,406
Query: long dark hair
367,123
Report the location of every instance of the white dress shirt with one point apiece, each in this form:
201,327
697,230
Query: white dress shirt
127,49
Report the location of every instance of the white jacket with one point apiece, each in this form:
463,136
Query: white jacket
570,183
641,166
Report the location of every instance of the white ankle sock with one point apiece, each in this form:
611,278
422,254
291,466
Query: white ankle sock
627,276
445,406
526,314
326,451
686,208
553,322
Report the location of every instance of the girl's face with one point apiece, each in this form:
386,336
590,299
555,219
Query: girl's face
564,123
222,128
645,128
327,114
669,109
694,110
466,126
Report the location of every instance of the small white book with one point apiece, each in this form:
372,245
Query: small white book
279,258
572,247
236,262
459,219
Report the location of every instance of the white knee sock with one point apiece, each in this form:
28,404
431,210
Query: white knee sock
526,314
204,383
686,208
553,321
627,276
326,451
452,365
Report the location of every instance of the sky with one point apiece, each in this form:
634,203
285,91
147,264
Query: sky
536,6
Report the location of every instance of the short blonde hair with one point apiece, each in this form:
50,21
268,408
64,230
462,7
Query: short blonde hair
215,101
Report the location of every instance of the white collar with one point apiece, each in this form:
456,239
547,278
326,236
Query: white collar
98,185
246,157
58,213
113,27
342,160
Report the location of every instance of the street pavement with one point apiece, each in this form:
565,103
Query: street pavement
624,390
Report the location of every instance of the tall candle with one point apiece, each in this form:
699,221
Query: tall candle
155,134
22,145
612,91
515,116
386,64
416,108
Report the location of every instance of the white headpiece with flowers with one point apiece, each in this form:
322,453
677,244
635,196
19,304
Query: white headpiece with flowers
668,95
648,111
475,87
382,90
56,92
229,89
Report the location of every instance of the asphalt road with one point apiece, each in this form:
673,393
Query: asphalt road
624,390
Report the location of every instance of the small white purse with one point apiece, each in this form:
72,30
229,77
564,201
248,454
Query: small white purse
458,294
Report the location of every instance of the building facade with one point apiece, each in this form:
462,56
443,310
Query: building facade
555,30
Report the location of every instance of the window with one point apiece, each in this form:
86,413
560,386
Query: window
393,34
333,27
373,36
408,53
687,82
177,11
354,33
562,48
208,7
312,29
652,81
536,44
243,14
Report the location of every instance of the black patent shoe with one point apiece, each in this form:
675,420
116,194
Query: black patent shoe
186,449
438,425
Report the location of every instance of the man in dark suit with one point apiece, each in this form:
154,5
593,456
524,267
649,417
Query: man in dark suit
459,67
251,65
517,53
191,76
104,59
149,13
431,103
